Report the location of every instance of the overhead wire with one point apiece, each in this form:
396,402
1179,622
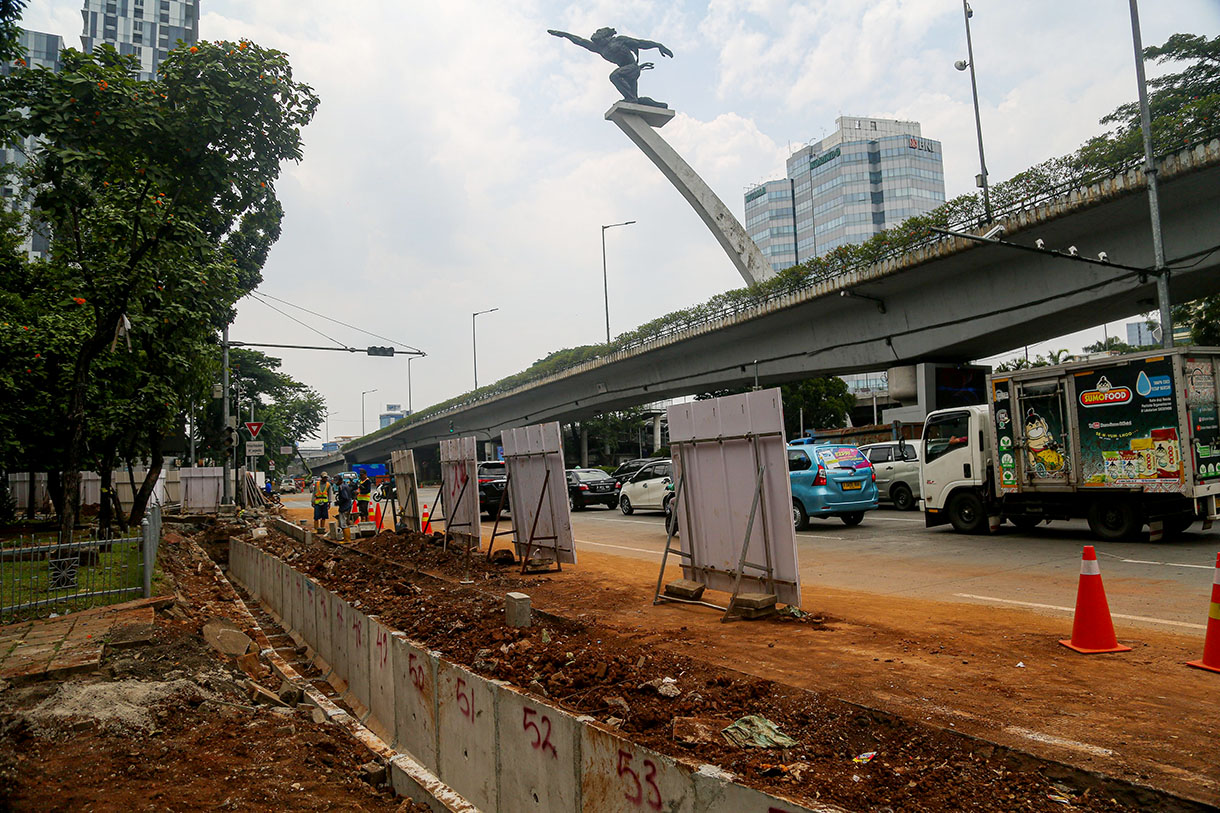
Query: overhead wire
302,324
336,321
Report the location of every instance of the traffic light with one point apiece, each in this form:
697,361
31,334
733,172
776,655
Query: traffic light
451,426
230,439
380,351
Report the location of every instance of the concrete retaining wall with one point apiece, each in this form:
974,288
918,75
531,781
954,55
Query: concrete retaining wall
499,748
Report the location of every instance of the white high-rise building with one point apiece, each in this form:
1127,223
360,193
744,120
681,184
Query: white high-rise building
867,176
150,29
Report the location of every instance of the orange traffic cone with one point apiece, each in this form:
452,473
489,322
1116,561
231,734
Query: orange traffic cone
1092,627
377,515
424,523
1211,645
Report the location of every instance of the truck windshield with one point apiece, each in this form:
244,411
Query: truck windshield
944,433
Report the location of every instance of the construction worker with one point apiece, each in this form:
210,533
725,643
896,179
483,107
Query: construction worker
343,497
364,493
321,503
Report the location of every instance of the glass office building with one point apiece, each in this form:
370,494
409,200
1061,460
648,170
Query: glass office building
149,29
869,175
41,50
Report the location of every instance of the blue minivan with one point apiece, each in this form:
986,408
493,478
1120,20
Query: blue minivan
830,480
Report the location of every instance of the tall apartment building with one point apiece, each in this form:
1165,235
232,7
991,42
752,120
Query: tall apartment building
869,175
41,50
150,29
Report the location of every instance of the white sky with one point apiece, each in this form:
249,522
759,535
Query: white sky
459,160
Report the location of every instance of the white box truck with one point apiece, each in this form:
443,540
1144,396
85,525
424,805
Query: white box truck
1122,441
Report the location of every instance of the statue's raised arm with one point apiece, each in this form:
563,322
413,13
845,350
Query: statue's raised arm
581,41
624,52
644,45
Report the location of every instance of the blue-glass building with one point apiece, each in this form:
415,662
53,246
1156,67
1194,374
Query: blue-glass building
869,175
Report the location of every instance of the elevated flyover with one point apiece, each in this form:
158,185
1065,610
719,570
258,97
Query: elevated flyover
951,300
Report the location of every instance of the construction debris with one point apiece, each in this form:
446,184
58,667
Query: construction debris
755,731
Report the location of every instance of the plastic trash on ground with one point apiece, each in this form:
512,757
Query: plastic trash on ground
755,731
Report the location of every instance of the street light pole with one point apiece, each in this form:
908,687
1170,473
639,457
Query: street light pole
474,342
366,392
605,279
978,122
1150,172
227,487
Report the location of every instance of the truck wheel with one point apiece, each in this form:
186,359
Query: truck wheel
903,499
966,512
1113,519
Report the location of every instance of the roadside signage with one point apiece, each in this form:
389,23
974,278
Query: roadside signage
287,449
270,465
254,427
254,448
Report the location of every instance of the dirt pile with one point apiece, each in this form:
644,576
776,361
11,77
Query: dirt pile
588,668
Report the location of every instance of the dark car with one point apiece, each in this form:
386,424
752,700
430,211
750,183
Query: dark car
627,470
591,487
493,480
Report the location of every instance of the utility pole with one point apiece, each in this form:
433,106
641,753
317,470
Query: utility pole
227,488
1150,172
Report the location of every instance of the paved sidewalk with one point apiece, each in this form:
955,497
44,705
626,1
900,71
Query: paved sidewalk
54,647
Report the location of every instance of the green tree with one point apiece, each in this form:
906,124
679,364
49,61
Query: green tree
159,200
10,16
289,410
1110,344
825,400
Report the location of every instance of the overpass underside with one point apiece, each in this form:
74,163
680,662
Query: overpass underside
954,301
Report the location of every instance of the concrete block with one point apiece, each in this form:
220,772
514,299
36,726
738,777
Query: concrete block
466,722
716,792
309,614
358,659
539,755
381,682
258,533
517,610
618,776
332,530
366,528
340,620
414,700
324,648
685,588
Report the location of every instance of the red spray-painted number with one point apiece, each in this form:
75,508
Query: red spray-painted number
636,795
541,741
416,671
465,700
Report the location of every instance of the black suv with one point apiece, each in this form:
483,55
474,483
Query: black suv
493,479
627,470
591,487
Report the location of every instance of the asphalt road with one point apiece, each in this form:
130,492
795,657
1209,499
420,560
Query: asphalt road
1163,585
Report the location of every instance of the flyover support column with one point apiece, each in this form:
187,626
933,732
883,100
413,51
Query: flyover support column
584,448
656,433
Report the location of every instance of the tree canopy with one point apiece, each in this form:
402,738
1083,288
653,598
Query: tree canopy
159,202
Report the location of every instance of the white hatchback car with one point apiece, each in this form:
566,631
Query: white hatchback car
896,464
646,489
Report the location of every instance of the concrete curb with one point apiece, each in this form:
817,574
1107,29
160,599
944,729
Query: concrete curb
408,777
496,747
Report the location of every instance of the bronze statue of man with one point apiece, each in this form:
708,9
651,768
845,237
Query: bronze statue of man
624,52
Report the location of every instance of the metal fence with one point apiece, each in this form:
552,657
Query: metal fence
38,577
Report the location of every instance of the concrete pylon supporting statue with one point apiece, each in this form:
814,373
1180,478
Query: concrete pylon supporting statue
640,117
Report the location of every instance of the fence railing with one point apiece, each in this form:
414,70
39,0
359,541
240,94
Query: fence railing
41,577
